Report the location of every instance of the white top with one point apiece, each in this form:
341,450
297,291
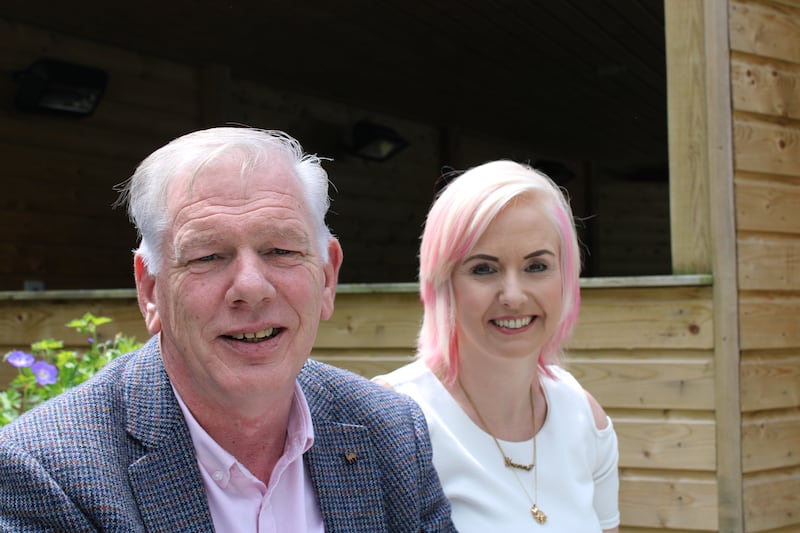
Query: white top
578,481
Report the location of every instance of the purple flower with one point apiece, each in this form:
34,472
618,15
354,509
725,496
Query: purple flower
19,359
46,374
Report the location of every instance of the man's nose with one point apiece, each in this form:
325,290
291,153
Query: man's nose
250,282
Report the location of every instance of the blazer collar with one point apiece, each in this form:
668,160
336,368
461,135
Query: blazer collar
166,480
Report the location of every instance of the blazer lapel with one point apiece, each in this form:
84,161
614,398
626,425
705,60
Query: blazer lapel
165,479
169,494
343,471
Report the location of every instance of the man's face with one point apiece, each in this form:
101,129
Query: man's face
242,287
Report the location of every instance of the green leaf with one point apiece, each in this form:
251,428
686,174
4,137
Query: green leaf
24,392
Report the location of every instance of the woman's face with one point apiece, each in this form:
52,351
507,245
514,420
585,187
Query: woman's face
508,287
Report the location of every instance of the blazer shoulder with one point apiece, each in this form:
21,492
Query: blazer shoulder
341,393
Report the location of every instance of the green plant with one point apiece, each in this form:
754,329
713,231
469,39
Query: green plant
50,369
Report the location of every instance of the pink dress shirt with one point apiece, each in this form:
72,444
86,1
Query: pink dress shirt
239,502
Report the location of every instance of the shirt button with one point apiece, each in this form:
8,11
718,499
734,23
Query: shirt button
218,475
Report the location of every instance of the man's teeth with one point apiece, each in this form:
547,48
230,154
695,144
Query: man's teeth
254,336
514,323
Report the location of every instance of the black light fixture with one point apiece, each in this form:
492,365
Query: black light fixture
54,86
375,142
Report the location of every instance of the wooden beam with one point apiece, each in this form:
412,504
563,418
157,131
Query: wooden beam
688,134
727,352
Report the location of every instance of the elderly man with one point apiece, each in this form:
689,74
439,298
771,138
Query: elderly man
220,421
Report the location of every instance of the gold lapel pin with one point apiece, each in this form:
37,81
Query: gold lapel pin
351,457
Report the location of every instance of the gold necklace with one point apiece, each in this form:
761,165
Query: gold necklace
537,513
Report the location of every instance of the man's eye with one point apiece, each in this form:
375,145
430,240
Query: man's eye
207,258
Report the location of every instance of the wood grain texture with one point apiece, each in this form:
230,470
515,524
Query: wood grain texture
766,147
662,501
770,379
765,87
772,500
688,135
767,204
771,440
769,29
769,320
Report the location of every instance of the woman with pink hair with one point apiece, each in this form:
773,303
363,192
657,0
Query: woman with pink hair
517,441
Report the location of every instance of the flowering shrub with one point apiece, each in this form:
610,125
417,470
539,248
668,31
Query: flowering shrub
50,369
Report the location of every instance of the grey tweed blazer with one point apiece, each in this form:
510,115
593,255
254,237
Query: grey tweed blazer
114,454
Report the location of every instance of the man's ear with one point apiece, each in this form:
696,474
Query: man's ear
331,273
146,294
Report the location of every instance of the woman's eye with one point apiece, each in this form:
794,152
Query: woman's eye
537,267
482,269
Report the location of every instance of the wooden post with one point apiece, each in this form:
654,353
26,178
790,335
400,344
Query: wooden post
688,134
727,353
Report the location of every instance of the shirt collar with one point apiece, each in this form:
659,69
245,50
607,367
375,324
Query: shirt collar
218,462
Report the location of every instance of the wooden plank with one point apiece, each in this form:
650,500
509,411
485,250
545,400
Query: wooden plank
772,500
669,318
663,441
649,380
767,204
766,147
769,262
368,363
372,320
771,440
769,321
627,529
768,29
770,380
673,318
25,322
765,87
664,500
678,318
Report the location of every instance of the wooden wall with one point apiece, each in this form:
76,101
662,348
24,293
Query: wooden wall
645,352
765,79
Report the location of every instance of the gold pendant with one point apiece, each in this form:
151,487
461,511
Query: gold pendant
538,514
512,464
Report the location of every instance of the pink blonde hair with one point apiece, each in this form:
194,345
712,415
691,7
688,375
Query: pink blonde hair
455,222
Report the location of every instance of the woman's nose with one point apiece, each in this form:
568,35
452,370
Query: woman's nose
512,293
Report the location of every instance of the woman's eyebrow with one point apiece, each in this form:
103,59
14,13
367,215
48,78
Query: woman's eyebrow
484,257
539,253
